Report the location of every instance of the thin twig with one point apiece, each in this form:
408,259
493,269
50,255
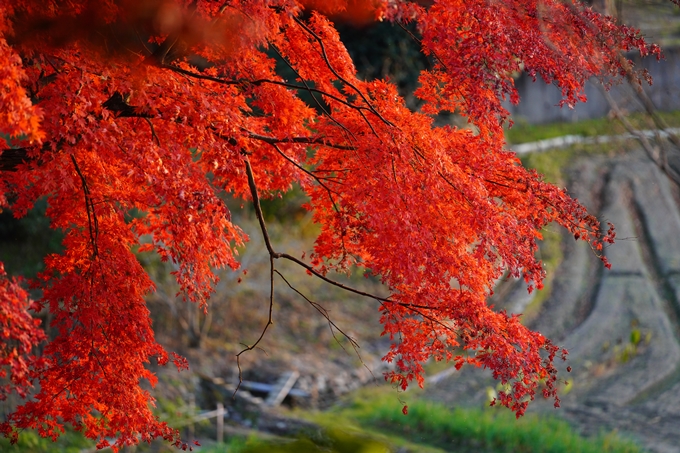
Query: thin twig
153,132
304,82
652,152
331,324
336,74
264,330
325,314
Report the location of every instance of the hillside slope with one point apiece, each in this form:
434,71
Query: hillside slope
620,326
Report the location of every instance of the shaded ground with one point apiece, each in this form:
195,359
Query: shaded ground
620,326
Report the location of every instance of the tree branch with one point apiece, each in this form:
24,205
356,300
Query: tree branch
303,140
654,153
273,82
11,158
93,223
336,74
277,255
316,101
258,208
325,314
264,330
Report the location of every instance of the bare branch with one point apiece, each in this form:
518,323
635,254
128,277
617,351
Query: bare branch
264,330
325,314
654,153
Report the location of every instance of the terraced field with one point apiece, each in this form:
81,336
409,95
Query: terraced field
620,325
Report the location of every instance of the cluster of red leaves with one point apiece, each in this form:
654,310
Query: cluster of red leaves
153,107
19,334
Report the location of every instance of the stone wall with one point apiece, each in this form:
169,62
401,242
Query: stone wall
539,102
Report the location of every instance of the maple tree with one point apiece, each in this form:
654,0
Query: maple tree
135,118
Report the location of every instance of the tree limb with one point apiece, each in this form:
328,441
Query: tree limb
11,158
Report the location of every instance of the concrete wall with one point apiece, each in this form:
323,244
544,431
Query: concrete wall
539,102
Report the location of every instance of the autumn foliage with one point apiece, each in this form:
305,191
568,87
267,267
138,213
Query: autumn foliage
134,119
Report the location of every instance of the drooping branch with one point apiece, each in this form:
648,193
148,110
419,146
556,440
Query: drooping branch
93,223
414,308
656,154
312,270
324,313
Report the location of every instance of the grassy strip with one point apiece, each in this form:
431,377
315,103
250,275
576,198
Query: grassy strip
480,430
525,133
31,442
372,422
333,441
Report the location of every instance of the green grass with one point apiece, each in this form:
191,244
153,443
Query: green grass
372,422
524,133
31,442
477,430
333,441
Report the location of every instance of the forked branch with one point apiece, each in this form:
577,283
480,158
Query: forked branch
420,310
